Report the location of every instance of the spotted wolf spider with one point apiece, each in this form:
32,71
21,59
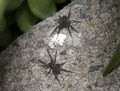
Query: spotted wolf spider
65,22
53,66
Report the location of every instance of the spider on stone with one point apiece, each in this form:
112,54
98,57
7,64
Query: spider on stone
53,66
65,22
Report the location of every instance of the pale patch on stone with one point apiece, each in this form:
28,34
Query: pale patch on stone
57,39
79,35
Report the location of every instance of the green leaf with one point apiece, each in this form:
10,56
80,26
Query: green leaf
42,8
2,24
13,4
60,1
3,4
115,60
25,19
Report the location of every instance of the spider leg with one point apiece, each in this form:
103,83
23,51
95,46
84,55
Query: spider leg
59,16
49,55
54,30
42,62
48,72
57,20
74,29
44,66
69,32
74,21
66,70
60,65
56,77
59,31
69,13
55,56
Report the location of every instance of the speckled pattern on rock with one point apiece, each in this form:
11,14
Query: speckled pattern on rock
86,53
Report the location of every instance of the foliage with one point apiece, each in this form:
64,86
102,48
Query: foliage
114,62
44,10
17,16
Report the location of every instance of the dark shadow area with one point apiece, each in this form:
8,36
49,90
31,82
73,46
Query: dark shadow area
14,31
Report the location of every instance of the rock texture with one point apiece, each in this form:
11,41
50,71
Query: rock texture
86,54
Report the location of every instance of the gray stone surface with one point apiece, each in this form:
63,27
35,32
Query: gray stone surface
86,53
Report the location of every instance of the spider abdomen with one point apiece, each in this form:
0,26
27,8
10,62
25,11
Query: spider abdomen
64,22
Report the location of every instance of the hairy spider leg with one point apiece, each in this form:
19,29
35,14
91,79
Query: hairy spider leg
66,70
69,32
69,13
55,56
59,66
59,30
59,18
74,21
56,77
49,71
44,64
55,29
50,56
74,29
52,61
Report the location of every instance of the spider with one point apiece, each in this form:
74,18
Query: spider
53,66
65,22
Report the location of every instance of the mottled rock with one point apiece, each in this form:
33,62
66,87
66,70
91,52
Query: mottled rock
93,46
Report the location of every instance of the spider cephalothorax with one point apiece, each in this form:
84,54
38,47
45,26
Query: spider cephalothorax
53,66
65,22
